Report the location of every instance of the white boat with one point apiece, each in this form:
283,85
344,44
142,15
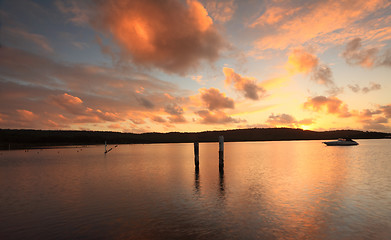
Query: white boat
341,142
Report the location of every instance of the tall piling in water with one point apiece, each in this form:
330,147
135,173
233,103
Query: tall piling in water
196,155
221,153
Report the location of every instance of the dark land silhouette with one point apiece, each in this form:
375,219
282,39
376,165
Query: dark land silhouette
23,138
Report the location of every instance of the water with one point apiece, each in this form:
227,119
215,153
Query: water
269,190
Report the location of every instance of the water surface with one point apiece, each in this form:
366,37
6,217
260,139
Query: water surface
268,190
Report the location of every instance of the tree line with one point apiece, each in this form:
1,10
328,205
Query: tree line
24,138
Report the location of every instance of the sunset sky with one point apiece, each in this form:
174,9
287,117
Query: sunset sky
186,65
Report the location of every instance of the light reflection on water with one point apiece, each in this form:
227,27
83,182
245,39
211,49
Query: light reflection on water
268,190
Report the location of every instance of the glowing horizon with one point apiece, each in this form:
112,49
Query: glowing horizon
162,66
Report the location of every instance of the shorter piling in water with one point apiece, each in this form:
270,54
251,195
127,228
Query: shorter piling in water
106,151
196,155
221,153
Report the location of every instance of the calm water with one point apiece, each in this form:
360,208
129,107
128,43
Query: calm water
269,190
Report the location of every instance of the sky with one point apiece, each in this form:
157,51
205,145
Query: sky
187,65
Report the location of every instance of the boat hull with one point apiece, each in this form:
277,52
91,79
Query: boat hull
341,143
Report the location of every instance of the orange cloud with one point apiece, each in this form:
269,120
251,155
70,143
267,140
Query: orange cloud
301,61
216,117
26,115
317,19
214,99
158,119
164,34
330,105
376,119
286,120
83,114
248,86
274,15
69,103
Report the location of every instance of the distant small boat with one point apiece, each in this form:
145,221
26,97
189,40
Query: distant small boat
341,142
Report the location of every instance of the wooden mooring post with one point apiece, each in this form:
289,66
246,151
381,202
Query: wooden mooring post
221,153
196,154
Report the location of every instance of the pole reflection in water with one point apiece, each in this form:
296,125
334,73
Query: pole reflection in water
221,183
197,180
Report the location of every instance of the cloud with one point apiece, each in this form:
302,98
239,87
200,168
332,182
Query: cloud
331,105
164,34
70,103
314,21
376,120
221,11
216,117
286,120
274,15
26,115
301,61
247,86
199,79
158,119
386,109
75,106
215,100
23,37
145,102
373,87
76,9
176,113
81,93
177,119
355,54
355,88
334,90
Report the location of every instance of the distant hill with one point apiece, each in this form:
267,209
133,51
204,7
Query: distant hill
20,138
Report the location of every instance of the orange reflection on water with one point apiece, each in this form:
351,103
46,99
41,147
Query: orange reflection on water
293,180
